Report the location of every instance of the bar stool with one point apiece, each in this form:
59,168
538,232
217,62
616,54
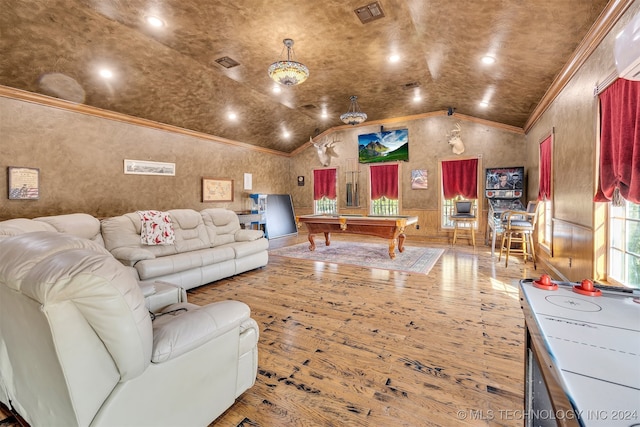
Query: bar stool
519,227
464,214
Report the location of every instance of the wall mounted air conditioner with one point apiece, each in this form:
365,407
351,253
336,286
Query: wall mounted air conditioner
627,50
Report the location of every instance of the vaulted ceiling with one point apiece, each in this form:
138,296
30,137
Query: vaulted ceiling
169,74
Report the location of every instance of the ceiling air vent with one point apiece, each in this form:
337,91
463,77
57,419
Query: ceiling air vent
369,13
227,62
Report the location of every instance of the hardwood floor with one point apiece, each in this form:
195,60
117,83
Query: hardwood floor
347,346
342,345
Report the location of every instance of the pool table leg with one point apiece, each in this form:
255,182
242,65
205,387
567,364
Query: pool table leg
401,238
312,246
392,248
327,238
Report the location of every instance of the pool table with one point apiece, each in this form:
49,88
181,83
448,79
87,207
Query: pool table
388,227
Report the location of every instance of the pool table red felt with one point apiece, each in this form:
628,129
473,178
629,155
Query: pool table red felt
389,227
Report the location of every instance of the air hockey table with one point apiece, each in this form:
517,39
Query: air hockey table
582,358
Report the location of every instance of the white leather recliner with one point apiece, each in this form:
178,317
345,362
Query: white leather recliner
78,346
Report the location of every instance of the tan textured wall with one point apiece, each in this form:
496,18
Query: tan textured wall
80,158
427,147
573,116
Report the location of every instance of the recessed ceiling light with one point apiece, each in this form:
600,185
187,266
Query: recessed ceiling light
394,58
324,114
232,116
276,89
286,134
154,21
488,60
484,104
107,74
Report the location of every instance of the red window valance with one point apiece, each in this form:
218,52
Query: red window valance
544,189
324,184
460,178
384,181
620,142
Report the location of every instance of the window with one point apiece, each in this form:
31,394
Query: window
624,244
545,192
459,180
544,224
448,208
385,193
325,197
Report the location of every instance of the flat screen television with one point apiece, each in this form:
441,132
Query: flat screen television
509,178
280,219
385,146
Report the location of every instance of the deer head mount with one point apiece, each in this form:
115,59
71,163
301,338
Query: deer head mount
325,150
455,141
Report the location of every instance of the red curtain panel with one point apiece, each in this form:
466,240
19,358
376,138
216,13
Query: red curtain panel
460,178
324,184
620,142
384,181
544,190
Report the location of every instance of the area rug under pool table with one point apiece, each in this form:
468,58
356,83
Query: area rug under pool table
371,255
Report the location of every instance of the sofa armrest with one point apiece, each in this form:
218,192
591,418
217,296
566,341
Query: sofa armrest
245,235
129,256
188,326
147,288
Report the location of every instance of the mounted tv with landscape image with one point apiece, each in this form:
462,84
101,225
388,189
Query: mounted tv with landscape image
385,146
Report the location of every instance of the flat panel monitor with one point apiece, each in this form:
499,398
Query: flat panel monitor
507,178
384,146
280,219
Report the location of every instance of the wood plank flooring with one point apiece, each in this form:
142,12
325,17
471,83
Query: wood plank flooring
342,345
347,346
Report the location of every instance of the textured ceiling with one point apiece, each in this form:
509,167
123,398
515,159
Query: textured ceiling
169,74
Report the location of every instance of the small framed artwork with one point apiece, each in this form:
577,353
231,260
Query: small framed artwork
24,183
419,179
301,181
217,190
142,167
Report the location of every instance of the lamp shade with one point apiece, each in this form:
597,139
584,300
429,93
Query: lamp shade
289,72
353,116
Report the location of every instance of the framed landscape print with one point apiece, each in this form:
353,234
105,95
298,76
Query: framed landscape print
143,167
217,190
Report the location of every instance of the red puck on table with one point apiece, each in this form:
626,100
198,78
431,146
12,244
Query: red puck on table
545,283
587,288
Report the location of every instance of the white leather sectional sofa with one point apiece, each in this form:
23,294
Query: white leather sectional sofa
209,245
79,348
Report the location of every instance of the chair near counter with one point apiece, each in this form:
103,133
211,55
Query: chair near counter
519,228
464,214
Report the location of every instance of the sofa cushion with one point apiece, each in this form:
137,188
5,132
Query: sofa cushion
162,266
190,326
124,232
221,224
78,224
190,231
14,227
243,249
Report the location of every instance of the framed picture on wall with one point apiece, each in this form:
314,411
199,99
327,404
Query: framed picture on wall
217,190
24,183
419,179
143,167
384,146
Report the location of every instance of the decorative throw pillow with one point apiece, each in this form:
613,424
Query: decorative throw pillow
157,228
